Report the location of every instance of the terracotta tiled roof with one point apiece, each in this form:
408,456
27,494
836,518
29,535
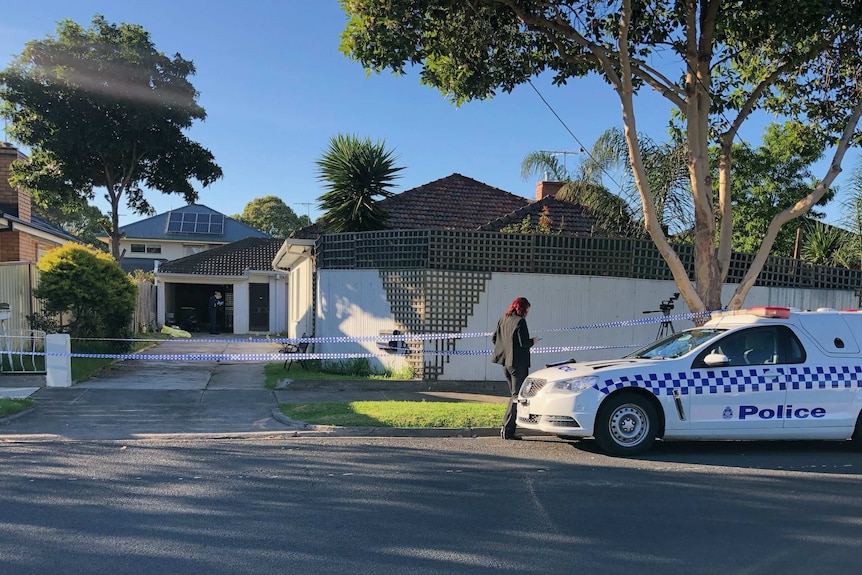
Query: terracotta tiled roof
455,202
233,259
567,218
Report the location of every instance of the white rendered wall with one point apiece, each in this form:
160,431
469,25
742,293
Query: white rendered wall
353,303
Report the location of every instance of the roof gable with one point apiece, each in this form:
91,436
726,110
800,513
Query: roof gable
455,202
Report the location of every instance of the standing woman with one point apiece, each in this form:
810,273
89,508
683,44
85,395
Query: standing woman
512,343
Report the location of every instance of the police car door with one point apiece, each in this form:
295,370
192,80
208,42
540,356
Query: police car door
744,396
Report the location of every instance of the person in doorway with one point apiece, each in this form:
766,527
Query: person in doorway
215,302
512,343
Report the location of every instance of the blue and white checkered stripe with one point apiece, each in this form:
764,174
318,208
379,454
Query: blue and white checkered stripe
739,380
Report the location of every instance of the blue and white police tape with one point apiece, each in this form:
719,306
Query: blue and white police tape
412,336
297,356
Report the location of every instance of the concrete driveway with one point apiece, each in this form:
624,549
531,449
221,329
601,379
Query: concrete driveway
137,398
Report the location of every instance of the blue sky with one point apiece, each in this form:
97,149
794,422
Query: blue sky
276,88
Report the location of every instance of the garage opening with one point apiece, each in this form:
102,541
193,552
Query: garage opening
186,306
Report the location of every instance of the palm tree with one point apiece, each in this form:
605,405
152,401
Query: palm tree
823,243
620,211
851,252
356,173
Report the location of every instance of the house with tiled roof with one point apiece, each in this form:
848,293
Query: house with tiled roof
242,271
178,233
457,202
256,274
24,236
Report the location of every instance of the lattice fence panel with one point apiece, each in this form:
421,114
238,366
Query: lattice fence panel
486,252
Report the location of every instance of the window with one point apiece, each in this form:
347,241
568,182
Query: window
191,249
146,248
767,345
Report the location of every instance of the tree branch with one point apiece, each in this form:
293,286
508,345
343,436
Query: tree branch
603,57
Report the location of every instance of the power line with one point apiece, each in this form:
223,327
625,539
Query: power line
574,137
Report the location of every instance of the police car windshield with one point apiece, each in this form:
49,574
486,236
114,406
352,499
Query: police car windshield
677,344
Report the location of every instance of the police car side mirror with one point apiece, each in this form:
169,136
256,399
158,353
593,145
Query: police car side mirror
716,359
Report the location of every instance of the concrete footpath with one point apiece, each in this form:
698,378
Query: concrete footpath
138,400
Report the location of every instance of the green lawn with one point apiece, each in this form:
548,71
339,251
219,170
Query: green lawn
10,406
275,372
430,414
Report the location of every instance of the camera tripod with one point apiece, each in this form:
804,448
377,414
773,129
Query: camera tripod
666,326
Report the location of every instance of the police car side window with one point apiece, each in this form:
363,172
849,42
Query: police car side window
790,349
760,346
732,346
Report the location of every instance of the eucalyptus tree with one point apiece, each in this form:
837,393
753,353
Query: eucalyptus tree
356,173
103,108
716,62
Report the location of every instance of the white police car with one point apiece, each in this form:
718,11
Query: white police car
764,373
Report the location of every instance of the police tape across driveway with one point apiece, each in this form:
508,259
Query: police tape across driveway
346,339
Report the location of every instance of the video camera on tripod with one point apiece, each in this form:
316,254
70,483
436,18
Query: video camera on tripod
665,307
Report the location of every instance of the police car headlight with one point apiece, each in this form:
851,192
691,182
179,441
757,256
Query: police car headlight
573,385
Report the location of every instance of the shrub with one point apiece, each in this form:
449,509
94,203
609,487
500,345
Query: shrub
90,287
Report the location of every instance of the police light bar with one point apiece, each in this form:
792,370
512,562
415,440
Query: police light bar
771,312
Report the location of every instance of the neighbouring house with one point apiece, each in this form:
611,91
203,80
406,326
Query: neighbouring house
178,233
24,238
445,270
255,294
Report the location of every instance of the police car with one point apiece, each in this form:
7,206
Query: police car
764,373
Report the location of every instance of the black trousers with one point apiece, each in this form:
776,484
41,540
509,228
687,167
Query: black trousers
515,376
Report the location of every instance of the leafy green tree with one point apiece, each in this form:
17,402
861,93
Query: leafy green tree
90,287
271,215
102,108
716,63
771,179
356,172
83,220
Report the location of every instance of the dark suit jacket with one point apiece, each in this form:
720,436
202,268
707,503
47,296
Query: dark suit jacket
512,342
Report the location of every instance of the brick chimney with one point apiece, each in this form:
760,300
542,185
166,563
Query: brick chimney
15,202
545,189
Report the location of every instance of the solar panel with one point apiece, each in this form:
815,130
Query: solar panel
194,223
175,222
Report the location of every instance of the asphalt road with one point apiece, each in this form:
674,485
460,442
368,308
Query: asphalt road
427,506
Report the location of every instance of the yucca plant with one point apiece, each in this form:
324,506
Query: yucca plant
356,173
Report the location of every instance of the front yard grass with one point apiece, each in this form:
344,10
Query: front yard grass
11,406
427,414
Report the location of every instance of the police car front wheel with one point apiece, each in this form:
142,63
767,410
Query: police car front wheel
626,424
